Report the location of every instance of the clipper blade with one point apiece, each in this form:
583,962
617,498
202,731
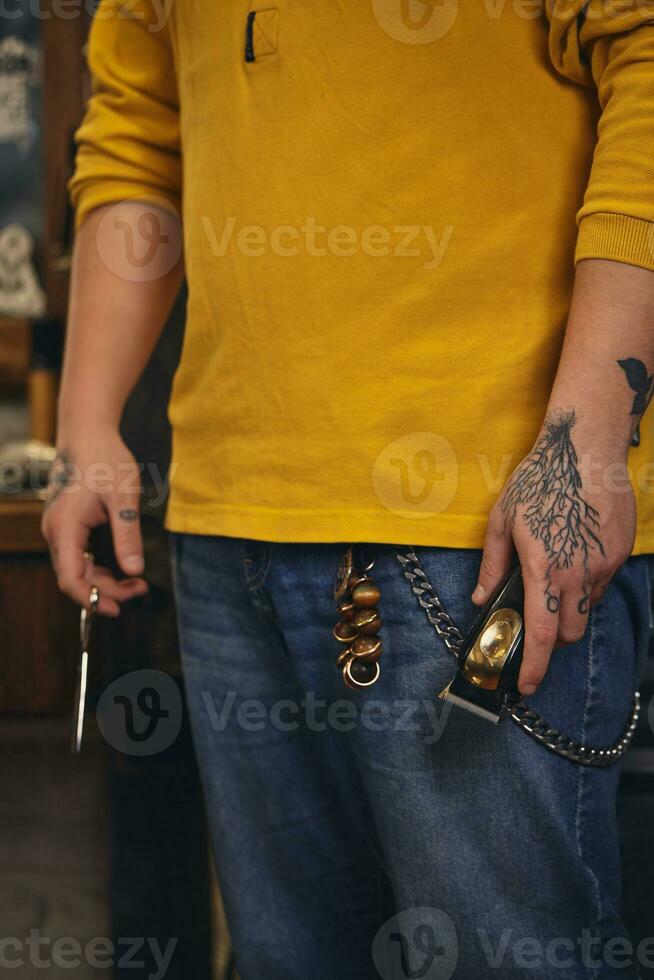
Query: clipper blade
461,701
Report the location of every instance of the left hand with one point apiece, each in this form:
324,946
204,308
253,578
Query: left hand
571,536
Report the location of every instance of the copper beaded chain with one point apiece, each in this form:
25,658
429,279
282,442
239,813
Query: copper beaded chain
357,600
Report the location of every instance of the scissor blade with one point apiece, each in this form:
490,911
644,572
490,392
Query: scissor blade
80,701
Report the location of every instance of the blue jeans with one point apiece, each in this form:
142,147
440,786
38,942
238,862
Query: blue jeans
381,833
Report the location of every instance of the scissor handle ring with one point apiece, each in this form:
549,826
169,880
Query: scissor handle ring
87,615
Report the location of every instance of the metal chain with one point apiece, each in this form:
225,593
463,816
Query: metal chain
525,717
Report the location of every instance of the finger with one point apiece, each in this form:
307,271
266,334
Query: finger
573,616
126,532
541,627
496,560
119,589
598,591
69,541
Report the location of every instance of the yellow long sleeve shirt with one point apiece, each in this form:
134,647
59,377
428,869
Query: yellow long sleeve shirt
381,204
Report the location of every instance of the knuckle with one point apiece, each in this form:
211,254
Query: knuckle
606,567
532,568
126,530
488,567
543,634
66,583
126,515
49,525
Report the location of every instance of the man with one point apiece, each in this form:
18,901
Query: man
386,342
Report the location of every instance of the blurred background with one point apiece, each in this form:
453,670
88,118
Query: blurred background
104,863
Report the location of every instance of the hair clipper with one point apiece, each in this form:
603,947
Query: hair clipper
486,682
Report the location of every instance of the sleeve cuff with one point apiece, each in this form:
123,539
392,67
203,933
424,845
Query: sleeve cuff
93,195
604,235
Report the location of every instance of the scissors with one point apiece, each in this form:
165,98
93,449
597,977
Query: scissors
85,622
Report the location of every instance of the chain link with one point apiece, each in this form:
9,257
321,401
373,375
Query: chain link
526,718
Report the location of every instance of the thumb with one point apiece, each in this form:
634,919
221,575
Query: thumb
126,532
496,561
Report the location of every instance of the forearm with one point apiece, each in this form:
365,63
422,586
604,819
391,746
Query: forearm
568,509
610,333
114,321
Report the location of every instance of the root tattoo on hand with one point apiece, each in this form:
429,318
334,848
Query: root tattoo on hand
548,485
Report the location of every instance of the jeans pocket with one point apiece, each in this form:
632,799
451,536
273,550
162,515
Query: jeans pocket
256,562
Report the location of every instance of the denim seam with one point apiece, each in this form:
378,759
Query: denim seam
175,541
172,551
263,603
259,595
582,776
648,580
257,580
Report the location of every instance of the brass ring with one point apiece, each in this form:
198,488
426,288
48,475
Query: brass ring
343,574
94,598
372,648
366,553
349,680
86,617
342,624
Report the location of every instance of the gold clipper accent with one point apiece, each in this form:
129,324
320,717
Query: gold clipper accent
484,663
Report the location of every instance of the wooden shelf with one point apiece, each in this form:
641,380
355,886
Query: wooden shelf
20,526
38,625
14,351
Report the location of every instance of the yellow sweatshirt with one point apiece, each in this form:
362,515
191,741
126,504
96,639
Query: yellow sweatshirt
381,204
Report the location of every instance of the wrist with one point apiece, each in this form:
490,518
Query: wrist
572,441
594,430
84,428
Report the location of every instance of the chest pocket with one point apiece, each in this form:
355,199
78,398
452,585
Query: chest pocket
261,34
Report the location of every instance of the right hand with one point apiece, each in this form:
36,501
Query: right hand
95,480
